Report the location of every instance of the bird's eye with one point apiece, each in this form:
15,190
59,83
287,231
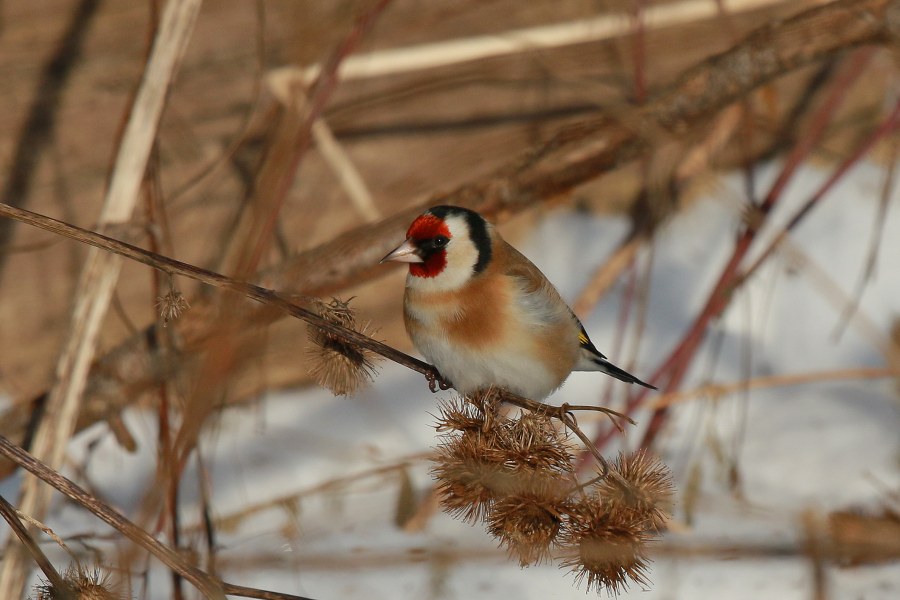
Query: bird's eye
441,241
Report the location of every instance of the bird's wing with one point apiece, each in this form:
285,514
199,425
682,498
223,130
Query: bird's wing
542,302
545,302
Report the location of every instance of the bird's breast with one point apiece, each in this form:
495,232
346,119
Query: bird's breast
477,317
479,338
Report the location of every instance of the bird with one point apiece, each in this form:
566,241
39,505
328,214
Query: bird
484,315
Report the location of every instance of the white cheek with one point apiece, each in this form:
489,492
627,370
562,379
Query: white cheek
462,255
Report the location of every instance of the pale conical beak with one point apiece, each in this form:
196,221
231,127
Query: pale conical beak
405,252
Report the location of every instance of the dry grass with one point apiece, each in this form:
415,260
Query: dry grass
263,164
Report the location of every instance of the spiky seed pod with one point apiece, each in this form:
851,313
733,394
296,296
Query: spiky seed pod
470,474
485,456
338,365
650,492
83,584
486,400
171,305
532,442
458,414
605,545
528,523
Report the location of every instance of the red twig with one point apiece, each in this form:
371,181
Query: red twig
886,127
675,366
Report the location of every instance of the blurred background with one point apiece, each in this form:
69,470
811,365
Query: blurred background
720,210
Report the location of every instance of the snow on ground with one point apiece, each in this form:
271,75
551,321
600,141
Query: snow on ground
817,446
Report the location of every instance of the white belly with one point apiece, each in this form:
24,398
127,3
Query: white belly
470,370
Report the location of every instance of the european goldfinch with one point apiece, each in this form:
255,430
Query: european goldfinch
484,315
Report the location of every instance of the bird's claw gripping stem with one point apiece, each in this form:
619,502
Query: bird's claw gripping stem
435,381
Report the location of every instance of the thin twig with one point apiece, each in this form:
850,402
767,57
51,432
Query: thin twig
247,592
717,390
877,235
407,59
101,270
578,153
886,128
274,299
209,586
60,586
675,366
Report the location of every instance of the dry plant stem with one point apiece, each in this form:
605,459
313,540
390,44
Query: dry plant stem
717,390
607,273
52,575
886,128
875,242
209,586
160,241
101,270
235,142
247,592
273,299
610,25
270,192
38,129
254,292
734,278
348,175
639,50
586,150
330,485
675,367
322,90
580,152
380,558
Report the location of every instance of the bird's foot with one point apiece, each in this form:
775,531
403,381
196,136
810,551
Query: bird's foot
435,381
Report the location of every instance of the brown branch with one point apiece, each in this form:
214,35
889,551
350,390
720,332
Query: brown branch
203,582
718,390
577,154
584,151
60,586
210,586
254,292
885,129
275,300
175,267
675,367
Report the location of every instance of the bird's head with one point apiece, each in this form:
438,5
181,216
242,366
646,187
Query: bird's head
445,247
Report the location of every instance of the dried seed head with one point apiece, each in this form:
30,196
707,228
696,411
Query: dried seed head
470,474
485,456
532,442
605,546
650,491
171,305
337,364
83,584
457,414
486,400
528,523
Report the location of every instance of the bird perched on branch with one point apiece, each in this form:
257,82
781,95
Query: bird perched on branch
484,315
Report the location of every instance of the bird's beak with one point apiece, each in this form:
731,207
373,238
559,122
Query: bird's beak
405,252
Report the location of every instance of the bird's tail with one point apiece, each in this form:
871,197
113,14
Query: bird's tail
598,363
592,359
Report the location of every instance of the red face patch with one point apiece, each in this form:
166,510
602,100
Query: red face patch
425,228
